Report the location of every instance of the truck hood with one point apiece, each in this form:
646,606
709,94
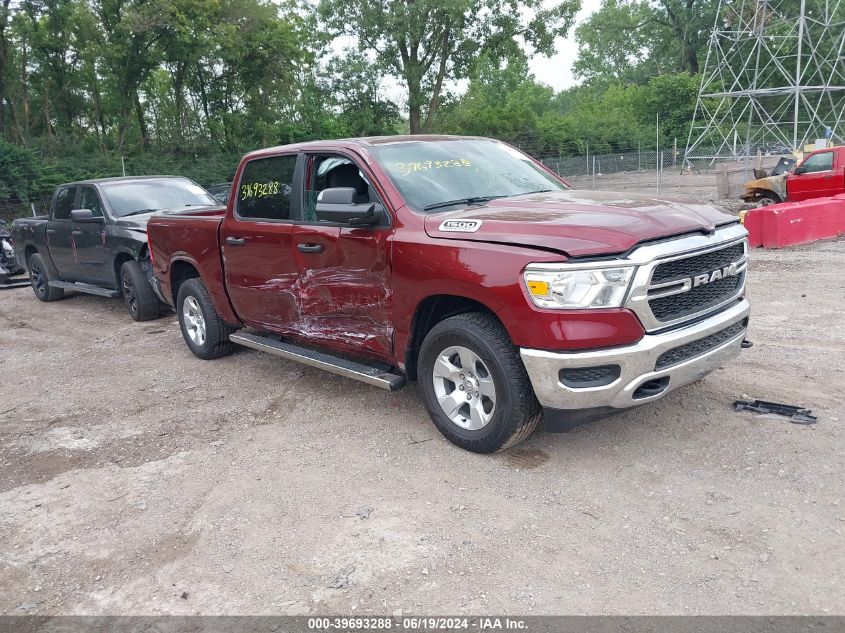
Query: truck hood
576,223
139,222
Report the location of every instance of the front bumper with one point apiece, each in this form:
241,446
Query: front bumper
639,379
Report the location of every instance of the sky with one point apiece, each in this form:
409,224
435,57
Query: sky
556,71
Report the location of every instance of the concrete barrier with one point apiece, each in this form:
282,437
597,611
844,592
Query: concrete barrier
788,223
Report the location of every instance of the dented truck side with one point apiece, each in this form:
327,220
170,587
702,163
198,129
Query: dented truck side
465,265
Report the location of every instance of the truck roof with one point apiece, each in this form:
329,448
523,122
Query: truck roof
363,142
99,181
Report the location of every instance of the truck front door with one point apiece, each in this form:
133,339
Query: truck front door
343,294
813,178
89,240
256,242
59,233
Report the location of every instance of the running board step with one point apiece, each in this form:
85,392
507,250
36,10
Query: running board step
14,283
86,288
335,364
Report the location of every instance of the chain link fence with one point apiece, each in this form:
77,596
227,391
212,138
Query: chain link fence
642,170
587,168
10,210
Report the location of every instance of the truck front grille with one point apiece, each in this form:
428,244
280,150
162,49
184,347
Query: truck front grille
691,266
695,300
670,306
683,353
687,278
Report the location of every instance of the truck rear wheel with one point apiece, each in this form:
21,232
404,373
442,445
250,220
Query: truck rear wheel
138,294
40,277
205,333
474,385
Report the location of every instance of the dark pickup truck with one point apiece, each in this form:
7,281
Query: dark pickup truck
94,239
466,265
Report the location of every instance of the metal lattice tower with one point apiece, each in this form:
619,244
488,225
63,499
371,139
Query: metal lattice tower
774,80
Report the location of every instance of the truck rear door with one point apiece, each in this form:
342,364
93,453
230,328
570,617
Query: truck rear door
256,237
815,177
59,232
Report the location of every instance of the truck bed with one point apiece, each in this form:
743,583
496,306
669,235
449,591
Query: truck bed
189,237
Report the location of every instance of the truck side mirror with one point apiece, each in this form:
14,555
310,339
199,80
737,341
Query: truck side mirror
84,216
337,204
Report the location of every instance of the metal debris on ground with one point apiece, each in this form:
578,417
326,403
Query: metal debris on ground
797,415
364,512
341,580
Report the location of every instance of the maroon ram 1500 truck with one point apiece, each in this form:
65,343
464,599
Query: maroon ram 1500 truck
463,264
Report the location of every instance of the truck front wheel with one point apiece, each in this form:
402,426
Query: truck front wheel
205,333
474,385
138,294
40,277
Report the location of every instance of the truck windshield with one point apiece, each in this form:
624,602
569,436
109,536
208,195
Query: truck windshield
142,196
439,176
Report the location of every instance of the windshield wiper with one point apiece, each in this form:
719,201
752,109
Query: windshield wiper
528,193
139,212
470,200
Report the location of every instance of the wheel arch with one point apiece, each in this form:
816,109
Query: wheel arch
181,270
429,312
28,252
760,192
117,263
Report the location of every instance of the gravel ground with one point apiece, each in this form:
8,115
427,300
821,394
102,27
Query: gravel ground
700,186
136,479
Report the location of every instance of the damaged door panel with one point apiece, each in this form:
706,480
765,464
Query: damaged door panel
343,292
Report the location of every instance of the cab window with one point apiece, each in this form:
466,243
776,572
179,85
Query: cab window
64,203
264,192
817,162
90,199
330,171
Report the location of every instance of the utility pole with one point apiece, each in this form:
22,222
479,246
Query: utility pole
657,143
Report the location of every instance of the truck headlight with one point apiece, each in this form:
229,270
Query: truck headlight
569,288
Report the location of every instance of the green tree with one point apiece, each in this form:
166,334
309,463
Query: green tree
632,40
427,43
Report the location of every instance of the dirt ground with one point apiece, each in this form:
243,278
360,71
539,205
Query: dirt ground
136,479
701,186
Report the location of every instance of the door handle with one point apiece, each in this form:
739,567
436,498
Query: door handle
310,248
77,232
51,230
235,241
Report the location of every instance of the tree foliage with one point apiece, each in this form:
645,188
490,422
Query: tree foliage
427,43
632,40
90,87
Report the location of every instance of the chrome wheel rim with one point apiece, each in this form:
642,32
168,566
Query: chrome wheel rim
464,388
194,321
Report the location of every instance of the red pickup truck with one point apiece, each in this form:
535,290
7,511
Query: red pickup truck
820,174
463,264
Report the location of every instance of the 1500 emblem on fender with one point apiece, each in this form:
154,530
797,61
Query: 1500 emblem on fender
460,226
716,275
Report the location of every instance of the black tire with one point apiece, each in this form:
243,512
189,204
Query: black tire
40,277
765,199
516,413
138,295
216,340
